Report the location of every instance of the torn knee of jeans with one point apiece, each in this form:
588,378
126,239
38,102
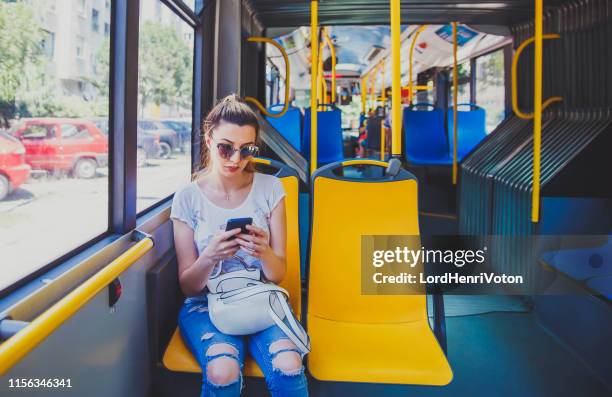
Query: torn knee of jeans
222,370
288,362
281,344
207,335
220,349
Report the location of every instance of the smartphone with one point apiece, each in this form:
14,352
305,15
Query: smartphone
236,223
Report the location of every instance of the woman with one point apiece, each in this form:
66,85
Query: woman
226,188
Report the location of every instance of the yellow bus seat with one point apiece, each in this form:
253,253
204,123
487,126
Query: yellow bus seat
177,356
357,337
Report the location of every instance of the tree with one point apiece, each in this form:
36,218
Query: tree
164,67
20,38
102,68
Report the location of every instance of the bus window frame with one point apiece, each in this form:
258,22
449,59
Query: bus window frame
122,116
507,52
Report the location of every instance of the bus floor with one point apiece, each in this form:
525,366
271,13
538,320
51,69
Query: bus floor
493,354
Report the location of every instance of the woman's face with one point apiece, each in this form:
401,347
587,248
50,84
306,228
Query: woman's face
235,136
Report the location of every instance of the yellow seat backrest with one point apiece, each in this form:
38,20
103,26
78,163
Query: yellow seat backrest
343,210
292,281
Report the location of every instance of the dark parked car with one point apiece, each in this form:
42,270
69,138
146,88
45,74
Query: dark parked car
13,168
168,139
63,144
148,145
183,130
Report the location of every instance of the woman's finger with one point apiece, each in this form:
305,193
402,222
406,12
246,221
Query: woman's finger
228,244
259,241
225,235
258,231
242,243
246,237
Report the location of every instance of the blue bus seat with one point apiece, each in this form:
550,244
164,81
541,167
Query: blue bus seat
329,136
602,285
581,264
289,125
470,129
424,137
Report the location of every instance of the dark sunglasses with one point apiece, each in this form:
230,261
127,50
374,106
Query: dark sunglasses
227,150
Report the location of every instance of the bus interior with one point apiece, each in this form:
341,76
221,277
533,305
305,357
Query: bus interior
505,124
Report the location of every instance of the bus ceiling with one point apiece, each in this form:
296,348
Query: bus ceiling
360,50
272,13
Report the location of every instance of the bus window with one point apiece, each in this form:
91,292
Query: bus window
463,76
53,172
490,87
165,64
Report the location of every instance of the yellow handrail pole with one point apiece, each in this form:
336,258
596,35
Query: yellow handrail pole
382,140
287,78
384,104
414,40
383,94
332,51
396,83
515,60
537,112
322,77
314,66
372,81
364,93
320,90
19,345
455,89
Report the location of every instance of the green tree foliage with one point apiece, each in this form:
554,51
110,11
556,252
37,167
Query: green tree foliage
165,67
101,80
20,38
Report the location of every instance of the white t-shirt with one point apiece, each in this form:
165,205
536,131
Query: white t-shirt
191,206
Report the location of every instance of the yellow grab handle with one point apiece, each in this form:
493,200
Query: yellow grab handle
332,51
517,55
259,160
365,162
287,78
24,341
455,87
414,40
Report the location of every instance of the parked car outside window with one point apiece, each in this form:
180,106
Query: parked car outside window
13,168
63,145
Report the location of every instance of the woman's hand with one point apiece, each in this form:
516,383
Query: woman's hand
221,247
256,243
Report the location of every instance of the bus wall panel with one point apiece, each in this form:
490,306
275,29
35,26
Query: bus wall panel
103,352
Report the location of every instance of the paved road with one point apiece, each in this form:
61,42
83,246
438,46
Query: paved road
47,217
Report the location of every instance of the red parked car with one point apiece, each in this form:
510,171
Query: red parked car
13,168
55,144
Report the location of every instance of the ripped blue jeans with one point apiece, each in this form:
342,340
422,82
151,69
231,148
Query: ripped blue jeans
200,335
